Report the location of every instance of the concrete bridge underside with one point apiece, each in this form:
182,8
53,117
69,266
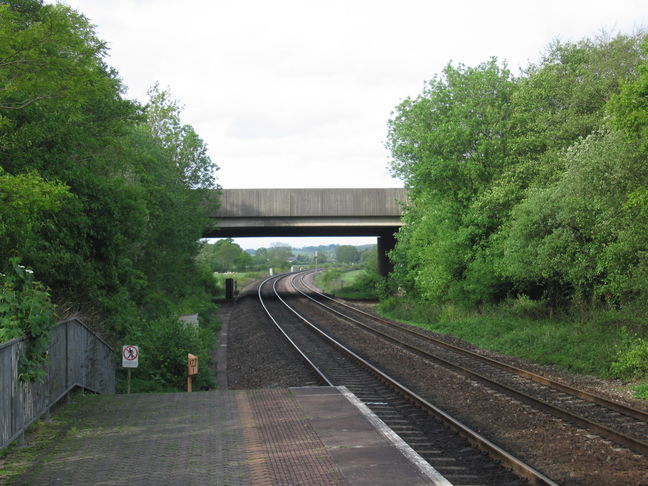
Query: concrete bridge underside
312,212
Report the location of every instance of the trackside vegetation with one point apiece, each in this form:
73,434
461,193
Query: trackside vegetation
102,199
350,283
597,347
528,223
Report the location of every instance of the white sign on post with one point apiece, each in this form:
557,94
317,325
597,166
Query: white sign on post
130,356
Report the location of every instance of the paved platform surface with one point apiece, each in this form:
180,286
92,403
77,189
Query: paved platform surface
298,436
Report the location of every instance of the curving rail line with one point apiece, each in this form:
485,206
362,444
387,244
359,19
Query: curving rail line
509,461
618,416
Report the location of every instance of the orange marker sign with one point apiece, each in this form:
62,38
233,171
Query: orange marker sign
192,364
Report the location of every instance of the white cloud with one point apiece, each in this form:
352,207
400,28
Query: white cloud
297,93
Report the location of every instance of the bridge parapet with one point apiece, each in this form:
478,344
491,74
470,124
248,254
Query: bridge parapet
251,203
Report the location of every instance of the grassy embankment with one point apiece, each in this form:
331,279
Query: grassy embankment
606,345
348,283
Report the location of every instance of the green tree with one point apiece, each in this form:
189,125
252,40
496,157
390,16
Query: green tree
561,236
103,198
447,145
174,203
347,254
56,92
224,256
451,139
559,210
260,258
486,157
60,115
26,203
180,141
279,254
629,108
628,265
369,259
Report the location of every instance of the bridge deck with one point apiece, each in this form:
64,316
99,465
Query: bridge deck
308,212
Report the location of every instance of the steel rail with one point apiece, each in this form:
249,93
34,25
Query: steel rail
585,395
520,468
564,414
294,345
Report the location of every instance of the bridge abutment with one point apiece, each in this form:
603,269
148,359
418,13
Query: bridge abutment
386,243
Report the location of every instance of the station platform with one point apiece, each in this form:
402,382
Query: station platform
296,436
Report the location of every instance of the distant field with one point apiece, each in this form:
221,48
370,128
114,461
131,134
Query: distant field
348,283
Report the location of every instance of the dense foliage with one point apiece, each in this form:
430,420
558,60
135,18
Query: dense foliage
224,256
526,186
102,197
164,344
347,254
529,189
26,310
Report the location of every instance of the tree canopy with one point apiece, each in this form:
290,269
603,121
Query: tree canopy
532,185
101,196
347,254
224,256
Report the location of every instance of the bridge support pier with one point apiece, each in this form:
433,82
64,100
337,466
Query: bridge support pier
386,243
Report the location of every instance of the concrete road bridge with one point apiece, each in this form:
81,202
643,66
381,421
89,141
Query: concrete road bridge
312,212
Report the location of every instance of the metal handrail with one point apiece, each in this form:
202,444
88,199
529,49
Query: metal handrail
78,359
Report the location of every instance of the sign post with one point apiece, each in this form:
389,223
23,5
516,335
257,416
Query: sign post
192,369
130,360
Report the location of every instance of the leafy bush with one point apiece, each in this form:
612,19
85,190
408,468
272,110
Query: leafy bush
632,361
164,344
26,310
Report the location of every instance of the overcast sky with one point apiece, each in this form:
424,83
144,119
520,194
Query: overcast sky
298,93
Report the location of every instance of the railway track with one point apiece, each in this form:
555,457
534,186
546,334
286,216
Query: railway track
614,421
461,455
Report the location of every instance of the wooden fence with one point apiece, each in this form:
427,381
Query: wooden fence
77,358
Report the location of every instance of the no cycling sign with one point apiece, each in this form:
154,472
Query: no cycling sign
130,356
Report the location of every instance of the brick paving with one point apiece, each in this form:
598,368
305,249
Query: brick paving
292,451
149,439
297,436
